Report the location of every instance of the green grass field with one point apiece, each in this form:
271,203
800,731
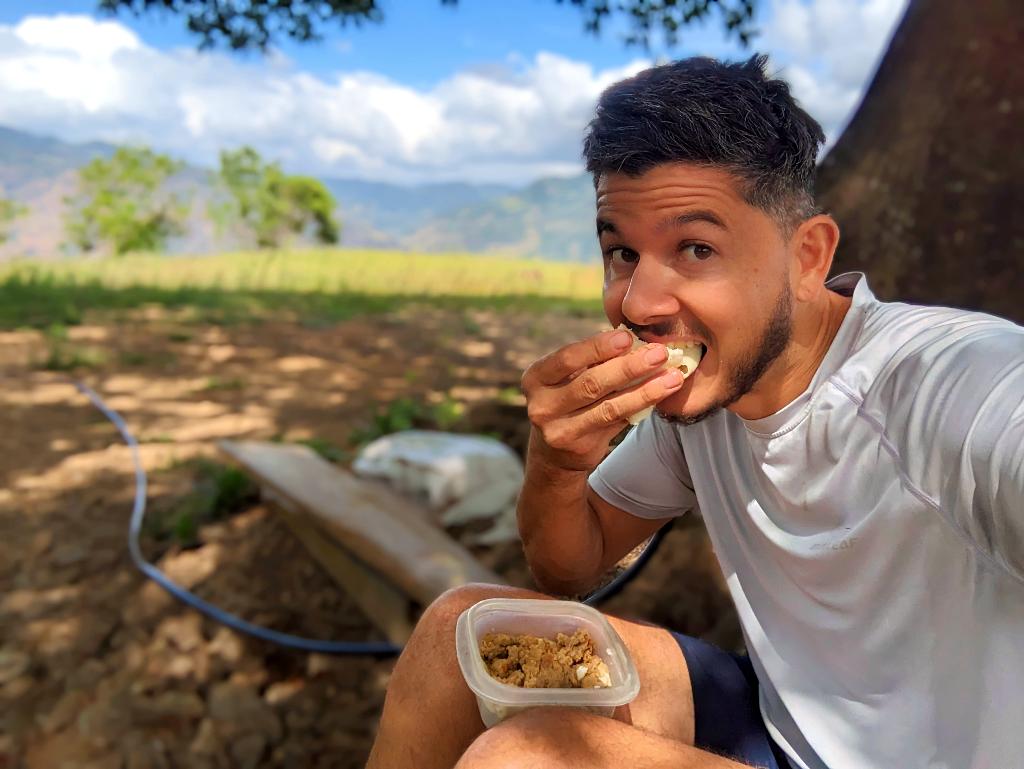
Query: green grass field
313,286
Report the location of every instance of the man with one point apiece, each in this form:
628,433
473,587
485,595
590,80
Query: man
858,465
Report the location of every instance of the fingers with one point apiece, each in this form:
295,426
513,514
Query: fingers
580,396
593,384
560,365
618,407
606,417
611,376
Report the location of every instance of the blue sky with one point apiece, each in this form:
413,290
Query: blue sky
482,91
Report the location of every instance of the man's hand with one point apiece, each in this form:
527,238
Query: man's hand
579,396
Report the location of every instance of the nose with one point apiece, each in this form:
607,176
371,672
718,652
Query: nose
649,296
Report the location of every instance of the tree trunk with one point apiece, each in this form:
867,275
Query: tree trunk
927,181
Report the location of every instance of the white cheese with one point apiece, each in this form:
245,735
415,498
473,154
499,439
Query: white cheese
685,357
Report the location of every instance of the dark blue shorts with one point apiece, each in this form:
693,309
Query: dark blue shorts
725,705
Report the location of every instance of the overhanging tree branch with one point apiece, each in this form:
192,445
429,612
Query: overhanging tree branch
667,17
258,24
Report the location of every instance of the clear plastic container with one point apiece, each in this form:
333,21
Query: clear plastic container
544,619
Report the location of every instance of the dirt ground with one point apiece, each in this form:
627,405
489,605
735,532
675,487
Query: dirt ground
101,668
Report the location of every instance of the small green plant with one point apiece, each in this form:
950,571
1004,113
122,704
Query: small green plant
186,529
216,383
510,396
133,358
180,336
218,491
140,358
326,449
57,332
402,414
407,414
447,414
63,357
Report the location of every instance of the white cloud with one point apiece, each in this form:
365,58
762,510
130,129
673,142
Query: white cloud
83,79
90,39
828,51
80,79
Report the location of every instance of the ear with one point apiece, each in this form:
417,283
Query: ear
812,245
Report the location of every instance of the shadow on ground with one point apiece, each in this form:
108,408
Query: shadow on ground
99,668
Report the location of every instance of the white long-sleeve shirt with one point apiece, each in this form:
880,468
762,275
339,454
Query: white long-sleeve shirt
872,536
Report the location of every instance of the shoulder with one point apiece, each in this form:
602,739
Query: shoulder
943,383
921,371
916,351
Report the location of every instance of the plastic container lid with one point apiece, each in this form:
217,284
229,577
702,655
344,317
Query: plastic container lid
545,619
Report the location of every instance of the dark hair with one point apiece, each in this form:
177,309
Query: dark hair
699,110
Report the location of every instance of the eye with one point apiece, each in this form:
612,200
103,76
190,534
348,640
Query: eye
697,251
620,258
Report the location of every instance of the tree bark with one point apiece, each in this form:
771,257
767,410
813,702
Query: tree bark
927,181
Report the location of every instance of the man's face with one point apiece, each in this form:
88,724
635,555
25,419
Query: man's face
687,259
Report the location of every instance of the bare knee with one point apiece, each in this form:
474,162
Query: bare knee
432,644
536,737
446,608
430,716
438,619
443,613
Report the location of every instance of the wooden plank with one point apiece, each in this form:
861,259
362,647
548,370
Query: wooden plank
383,529
383,604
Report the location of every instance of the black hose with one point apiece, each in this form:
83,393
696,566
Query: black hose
287,640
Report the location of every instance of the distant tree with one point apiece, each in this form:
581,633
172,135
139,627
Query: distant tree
123,202
9,211
269,204
925,181
258,24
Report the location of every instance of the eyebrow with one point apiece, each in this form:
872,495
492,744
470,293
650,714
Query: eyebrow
603,225
692,216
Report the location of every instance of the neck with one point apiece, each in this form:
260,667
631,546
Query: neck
790,374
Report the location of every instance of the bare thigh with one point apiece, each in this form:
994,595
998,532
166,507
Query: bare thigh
430,716
655,731
564,738
664,705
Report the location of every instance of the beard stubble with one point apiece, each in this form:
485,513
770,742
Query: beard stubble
752,366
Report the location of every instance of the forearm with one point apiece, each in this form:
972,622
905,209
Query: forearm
577,398
561,533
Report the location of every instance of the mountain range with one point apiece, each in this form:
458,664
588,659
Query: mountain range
550,219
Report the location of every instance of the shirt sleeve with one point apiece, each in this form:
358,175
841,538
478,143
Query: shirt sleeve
970,429
646,474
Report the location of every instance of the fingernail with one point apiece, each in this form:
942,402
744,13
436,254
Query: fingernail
656,354
672,379
622,340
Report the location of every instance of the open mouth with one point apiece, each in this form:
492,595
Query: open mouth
686,356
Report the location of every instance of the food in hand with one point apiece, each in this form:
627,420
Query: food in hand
685,357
